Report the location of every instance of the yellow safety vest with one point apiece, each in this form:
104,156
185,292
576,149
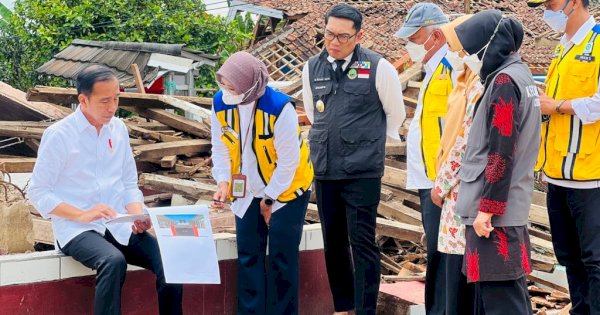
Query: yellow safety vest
268,109
435,106
571,150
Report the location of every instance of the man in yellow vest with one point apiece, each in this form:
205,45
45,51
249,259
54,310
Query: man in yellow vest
427,45
570,151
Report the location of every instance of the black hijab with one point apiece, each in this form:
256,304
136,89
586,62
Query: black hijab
476,32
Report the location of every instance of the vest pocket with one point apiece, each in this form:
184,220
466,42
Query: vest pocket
580,80
357,90
361,150
317,139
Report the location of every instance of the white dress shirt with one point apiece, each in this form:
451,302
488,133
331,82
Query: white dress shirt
388,87
415,170
82,168
587,109
287,146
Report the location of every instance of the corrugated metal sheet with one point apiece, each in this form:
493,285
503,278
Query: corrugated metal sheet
117,55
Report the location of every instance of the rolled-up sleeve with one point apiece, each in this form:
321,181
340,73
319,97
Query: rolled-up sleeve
587,109
221,159
132,191
48,167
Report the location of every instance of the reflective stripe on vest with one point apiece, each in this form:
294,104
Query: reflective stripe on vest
435,106
571,150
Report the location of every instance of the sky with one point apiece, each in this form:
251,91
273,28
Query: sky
218,7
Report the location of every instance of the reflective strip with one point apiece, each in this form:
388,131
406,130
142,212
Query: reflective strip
229,117
265,123
568,164
575,138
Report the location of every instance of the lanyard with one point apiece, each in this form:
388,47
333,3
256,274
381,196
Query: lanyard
243,143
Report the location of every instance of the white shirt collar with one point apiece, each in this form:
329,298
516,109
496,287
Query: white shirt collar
435,60
332,60
580,34
82,123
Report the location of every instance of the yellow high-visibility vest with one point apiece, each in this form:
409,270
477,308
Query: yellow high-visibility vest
269,106
435,107
571,150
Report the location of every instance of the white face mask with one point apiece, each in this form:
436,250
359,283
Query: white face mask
472,61
232,99
557,20
417,52
455,60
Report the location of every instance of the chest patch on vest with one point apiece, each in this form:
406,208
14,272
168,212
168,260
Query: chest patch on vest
322,79
585,58
361,65
352,74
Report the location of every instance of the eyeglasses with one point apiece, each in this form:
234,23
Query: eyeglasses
342,38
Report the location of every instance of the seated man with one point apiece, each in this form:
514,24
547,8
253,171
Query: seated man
85,174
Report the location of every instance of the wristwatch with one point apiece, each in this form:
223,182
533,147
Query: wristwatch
268,200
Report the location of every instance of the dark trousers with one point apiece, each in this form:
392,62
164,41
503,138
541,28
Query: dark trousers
273,290
575,224
435,279
458,293
502,298
109,258
348,209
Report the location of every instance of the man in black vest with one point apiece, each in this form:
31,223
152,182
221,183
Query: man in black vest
353,98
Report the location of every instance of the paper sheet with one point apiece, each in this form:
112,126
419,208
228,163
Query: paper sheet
187,248
127,218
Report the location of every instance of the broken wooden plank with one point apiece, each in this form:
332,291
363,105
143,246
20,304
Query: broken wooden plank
68,96
168,161
404,278
398,148
200,112
312,213
183,187
151,135
173,120
395,210
386,194
397,230
542,262
42,231
16,107
394,177
159,150
17,164
542,301
22,132
547,283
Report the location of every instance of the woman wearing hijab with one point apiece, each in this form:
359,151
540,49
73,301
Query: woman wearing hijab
458,120
262,164
497,169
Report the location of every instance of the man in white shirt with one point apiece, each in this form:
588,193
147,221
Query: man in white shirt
570,152
353,98
426,44
85,174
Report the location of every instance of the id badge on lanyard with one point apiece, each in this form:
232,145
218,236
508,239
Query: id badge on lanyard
239,181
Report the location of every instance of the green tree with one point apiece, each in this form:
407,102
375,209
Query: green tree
38,29
4,15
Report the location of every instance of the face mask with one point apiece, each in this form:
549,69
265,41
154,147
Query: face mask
472,61
417,52
230,99
557,20
455,60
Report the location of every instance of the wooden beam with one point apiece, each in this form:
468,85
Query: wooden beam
23,132
168,161
397,211
17,165
151,135
394,177
175,121
183,187
395,148
69,96
18,108
159,150
400,231
203,113
137,76
42,231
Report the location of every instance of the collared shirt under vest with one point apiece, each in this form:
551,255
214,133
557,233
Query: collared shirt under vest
262,137
570,150
425,130
347,138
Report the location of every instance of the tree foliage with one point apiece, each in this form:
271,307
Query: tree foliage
38,29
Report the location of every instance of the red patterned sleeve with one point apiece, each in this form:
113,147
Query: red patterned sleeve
503,132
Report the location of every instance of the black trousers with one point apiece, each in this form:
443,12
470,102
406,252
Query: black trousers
458,293
273,290
575,224
348,209
502,298
109,258
435,279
